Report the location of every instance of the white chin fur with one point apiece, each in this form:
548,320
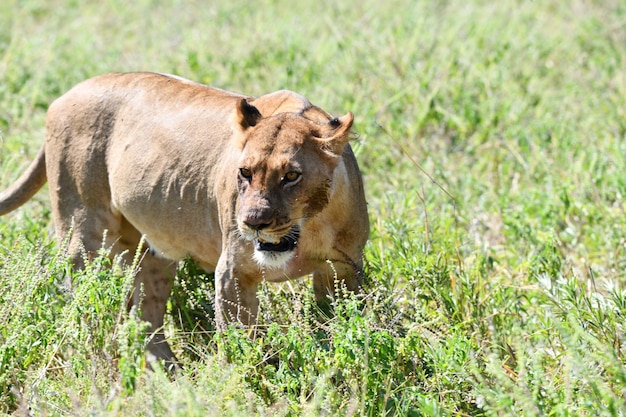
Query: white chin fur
272,260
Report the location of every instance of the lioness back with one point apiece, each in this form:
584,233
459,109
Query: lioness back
144,145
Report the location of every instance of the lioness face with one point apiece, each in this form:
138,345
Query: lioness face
284,177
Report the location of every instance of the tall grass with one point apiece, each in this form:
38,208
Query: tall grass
493,147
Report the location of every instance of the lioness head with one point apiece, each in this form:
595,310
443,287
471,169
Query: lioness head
284,177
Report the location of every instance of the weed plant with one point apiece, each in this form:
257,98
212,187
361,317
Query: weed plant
493,148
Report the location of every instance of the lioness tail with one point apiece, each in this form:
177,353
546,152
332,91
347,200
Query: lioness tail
26,186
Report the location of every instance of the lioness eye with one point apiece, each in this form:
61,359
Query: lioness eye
291,176
245,173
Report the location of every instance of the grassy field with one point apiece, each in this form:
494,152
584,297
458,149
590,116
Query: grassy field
493,147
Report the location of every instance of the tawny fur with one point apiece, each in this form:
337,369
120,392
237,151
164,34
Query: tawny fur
144,154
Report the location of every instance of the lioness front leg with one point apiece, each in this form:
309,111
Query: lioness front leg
235,296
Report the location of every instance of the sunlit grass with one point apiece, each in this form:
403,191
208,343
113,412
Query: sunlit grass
493,147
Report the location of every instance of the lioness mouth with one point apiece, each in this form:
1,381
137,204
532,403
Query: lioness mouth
286,243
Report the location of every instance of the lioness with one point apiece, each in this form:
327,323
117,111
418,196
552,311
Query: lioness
252,189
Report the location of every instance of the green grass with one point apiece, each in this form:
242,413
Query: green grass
493,147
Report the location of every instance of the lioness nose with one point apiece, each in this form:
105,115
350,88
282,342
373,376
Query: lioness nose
256,223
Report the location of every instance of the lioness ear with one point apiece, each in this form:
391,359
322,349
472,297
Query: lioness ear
247,114
337,133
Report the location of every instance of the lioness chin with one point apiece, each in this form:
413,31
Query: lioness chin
250,188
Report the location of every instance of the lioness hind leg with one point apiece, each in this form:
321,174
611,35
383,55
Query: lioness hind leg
153,281
151,290
153,284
